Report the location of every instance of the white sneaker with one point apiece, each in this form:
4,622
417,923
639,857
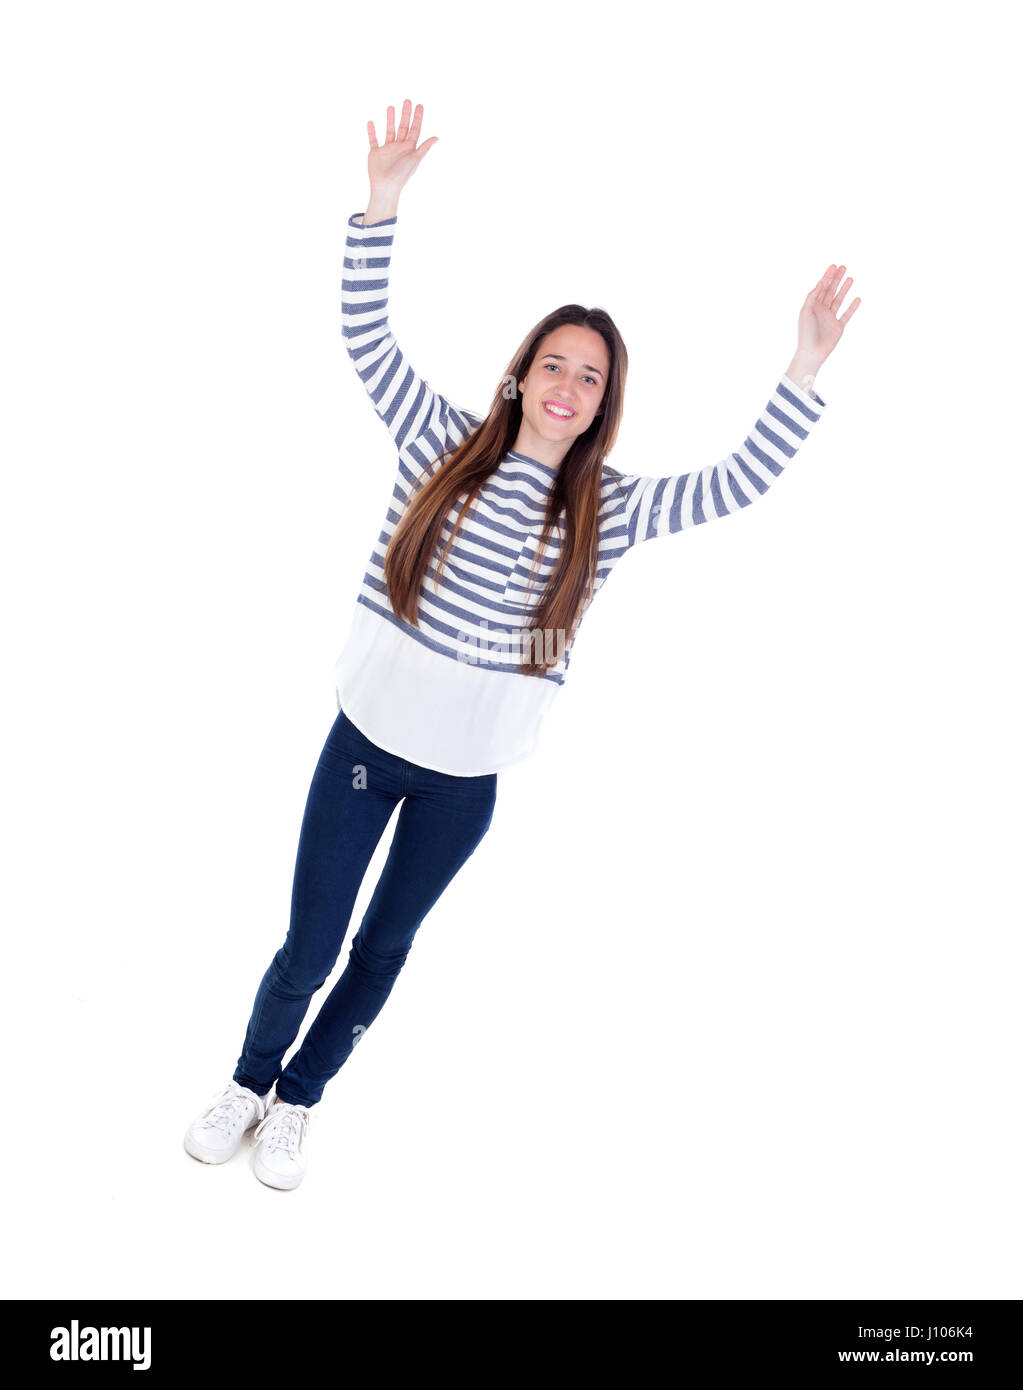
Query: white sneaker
214,1135
277,1157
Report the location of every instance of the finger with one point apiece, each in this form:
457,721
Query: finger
428,144
822,285
372,136
390,123
417,125
813,292
849,312
406,110
836,303
829,296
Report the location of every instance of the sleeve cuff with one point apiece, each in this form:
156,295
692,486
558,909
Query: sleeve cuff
808,398
387,222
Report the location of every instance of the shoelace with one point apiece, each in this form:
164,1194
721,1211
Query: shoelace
285,1127
225,1109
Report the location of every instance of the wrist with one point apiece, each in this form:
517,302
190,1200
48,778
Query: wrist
382,205
803,371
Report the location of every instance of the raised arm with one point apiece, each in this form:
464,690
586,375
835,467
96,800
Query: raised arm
413,413
650,507
405,402
661,506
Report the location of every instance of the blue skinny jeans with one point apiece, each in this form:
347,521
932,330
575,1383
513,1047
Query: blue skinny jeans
354,791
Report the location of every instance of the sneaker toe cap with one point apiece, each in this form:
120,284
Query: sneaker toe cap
209,1145
277,1168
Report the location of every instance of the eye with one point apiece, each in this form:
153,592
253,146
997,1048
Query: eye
558,369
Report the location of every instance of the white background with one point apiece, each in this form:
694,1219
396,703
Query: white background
726,1003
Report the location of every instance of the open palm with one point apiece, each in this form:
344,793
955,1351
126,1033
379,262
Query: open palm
820,328
394,162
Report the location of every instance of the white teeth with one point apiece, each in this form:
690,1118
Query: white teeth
563,414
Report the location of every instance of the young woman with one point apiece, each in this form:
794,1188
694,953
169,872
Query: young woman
501,532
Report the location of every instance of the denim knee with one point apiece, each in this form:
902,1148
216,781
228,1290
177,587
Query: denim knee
296,979
379,968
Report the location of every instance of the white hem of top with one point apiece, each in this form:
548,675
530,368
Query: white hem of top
451,716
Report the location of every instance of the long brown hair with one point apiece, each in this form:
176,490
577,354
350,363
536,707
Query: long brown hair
576,491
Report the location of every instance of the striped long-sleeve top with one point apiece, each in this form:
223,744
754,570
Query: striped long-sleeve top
448,694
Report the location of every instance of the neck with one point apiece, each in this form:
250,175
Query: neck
534,446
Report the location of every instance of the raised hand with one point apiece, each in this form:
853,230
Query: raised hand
819,325
394,162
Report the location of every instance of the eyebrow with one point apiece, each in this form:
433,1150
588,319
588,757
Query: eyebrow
588,365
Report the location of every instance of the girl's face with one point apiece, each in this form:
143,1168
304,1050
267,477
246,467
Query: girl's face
562,391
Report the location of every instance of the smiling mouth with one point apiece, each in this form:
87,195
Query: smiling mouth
557,411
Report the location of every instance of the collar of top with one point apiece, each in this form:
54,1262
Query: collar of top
543,472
